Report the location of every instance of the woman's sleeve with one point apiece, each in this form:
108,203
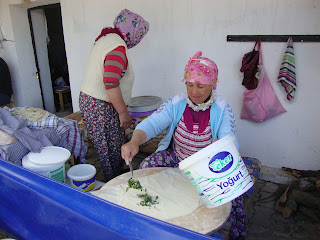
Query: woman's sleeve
114,65
228,125
158,120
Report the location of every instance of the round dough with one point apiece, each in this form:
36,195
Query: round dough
176,195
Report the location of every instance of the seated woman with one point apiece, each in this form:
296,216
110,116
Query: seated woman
194,121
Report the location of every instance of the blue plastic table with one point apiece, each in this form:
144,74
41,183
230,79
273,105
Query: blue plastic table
35,207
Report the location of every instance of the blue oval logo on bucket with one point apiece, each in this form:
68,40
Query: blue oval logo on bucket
221,162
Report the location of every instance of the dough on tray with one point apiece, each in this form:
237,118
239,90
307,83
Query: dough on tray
176,195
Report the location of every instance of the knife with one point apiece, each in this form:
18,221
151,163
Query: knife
131,168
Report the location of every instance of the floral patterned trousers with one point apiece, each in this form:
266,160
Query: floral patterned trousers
103,126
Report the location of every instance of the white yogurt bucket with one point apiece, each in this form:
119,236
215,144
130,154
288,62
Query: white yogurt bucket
82,177
217,172
49,162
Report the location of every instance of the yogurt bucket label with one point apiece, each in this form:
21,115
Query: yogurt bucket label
57,174
85,185
218,173
221,162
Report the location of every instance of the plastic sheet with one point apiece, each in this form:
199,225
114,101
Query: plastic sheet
35,207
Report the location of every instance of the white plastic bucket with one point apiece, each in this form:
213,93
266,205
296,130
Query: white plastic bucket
82,177
49,162
144,103
217,172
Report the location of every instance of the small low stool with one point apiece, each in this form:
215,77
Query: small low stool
60,91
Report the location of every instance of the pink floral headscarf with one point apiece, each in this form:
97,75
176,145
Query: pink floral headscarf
132,26
201,70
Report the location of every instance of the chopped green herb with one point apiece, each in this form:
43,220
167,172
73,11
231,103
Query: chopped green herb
147,200
134,183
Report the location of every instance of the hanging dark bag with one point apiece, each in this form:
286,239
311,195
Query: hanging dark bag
249,67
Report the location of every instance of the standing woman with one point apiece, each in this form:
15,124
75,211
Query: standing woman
194,121
106,89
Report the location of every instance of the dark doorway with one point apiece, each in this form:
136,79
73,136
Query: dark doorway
56,53
56,47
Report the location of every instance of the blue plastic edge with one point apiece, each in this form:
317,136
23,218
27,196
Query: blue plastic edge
31,209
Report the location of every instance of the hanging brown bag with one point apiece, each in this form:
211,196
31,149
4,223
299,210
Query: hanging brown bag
249,67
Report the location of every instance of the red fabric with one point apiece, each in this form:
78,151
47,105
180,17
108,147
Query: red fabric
187,142
117,58
114,69
108,30
249,67
111,82
201,117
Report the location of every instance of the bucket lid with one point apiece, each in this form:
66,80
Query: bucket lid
49,155
206,152
144,103
81,172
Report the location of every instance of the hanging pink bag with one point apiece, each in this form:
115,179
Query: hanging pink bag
261,103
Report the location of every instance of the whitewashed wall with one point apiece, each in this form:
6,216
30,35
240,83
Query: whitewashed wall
7,48
179,28
18,53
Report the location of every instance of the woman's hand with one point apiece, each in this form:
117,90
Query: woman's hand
214,140
130,149
116,99
125,120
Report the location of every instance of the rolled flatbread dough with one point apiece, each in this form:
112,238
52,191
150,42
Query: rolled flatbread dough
32,114
176,195
6,138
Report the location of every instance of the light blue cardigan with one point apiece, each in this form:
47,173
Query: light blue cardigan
222,120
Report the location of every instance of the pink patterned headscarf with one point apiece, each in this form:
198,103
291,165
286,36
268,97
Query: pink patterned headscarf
201,70
132,26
